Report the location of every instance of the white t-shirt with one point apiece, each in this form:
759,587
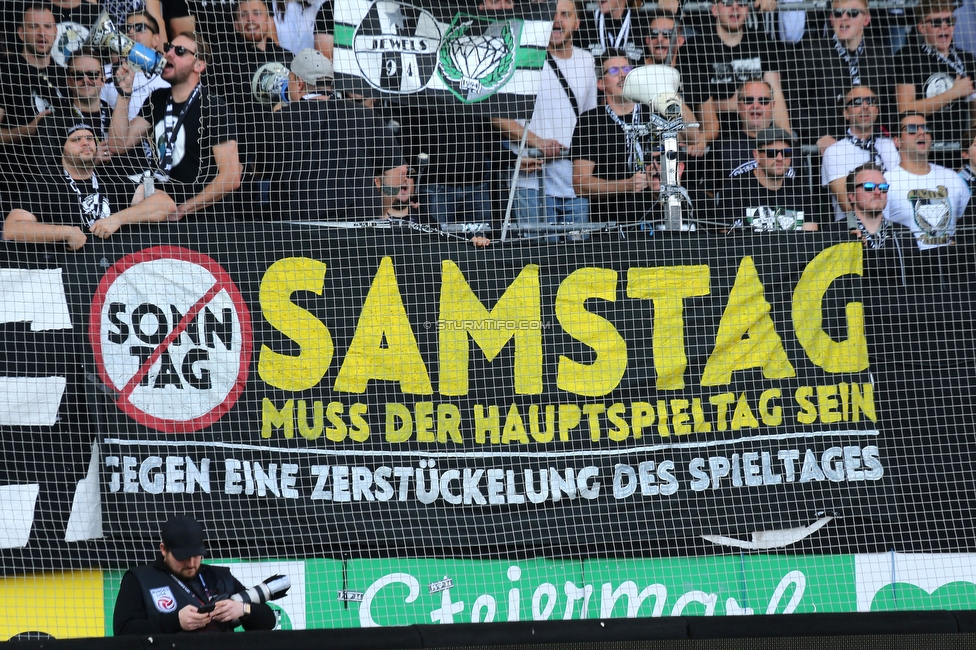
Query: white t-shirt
554,117
296,26
928,205
843,157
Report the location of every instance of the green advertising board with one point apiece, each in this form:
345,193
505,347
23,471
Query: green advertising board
390,592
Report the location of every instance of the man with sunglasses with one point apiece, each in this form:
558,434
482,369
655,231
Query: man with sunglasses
864,143
937,80
926,198
662,40
770,197
142,28
717,60
832,64
732,154
86,78
867,192
191,137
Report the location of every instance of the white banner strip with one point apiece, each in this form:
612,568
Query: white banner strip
30,401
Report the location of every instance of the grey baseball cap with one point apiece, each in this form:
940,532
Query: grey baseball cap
311,66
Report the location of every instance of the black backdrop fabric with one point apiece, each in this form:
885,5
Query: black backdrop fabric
261,377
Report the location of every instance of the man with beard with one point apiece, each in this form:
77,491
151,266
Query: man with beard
73,198
192,138
167,595
544,192
34,84
248,48
769,197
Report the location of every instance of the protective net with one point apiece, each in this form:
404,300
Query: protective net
493,311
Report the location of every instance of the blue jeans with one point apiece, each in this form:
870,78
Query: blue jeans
459,203
532,209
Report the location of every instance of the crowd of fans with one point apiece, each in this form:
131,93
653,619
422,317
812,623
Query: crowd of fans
802,120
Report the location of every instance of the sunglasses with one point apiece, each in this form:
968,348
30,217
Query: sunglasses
622,70
915,128
138,28
762,101
773,153
863,101
179,49
94,75
732,3
661,33
940,22
870,187
840,13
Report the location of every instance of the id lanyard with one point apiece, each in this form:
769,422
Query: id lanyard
190,592
853,62
89,217
622,35
635,151
170,129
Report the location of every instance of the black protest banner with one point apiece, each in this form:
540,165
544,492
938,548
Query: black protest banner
397,395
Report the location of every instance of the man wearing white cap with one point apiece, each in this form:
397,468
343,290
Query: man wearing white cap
310,76
323,155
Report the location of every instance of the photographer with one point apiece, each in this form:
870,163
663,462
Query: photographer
167,596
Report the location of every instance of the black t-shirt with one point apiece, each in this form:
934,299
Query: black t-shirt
232,72
599,139
458,138
746,203
52,199
709,68
323,158
932,75
205,124
823,77
731,155
616,33
29,91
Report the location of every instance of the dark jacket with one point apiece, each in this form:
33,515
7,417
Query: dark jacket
151,597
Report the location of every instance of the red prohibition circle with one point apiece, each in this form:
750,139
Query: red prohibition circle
223,283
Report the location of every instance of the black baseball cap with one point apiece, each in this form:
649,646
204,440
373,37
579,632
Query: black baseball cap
183,537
